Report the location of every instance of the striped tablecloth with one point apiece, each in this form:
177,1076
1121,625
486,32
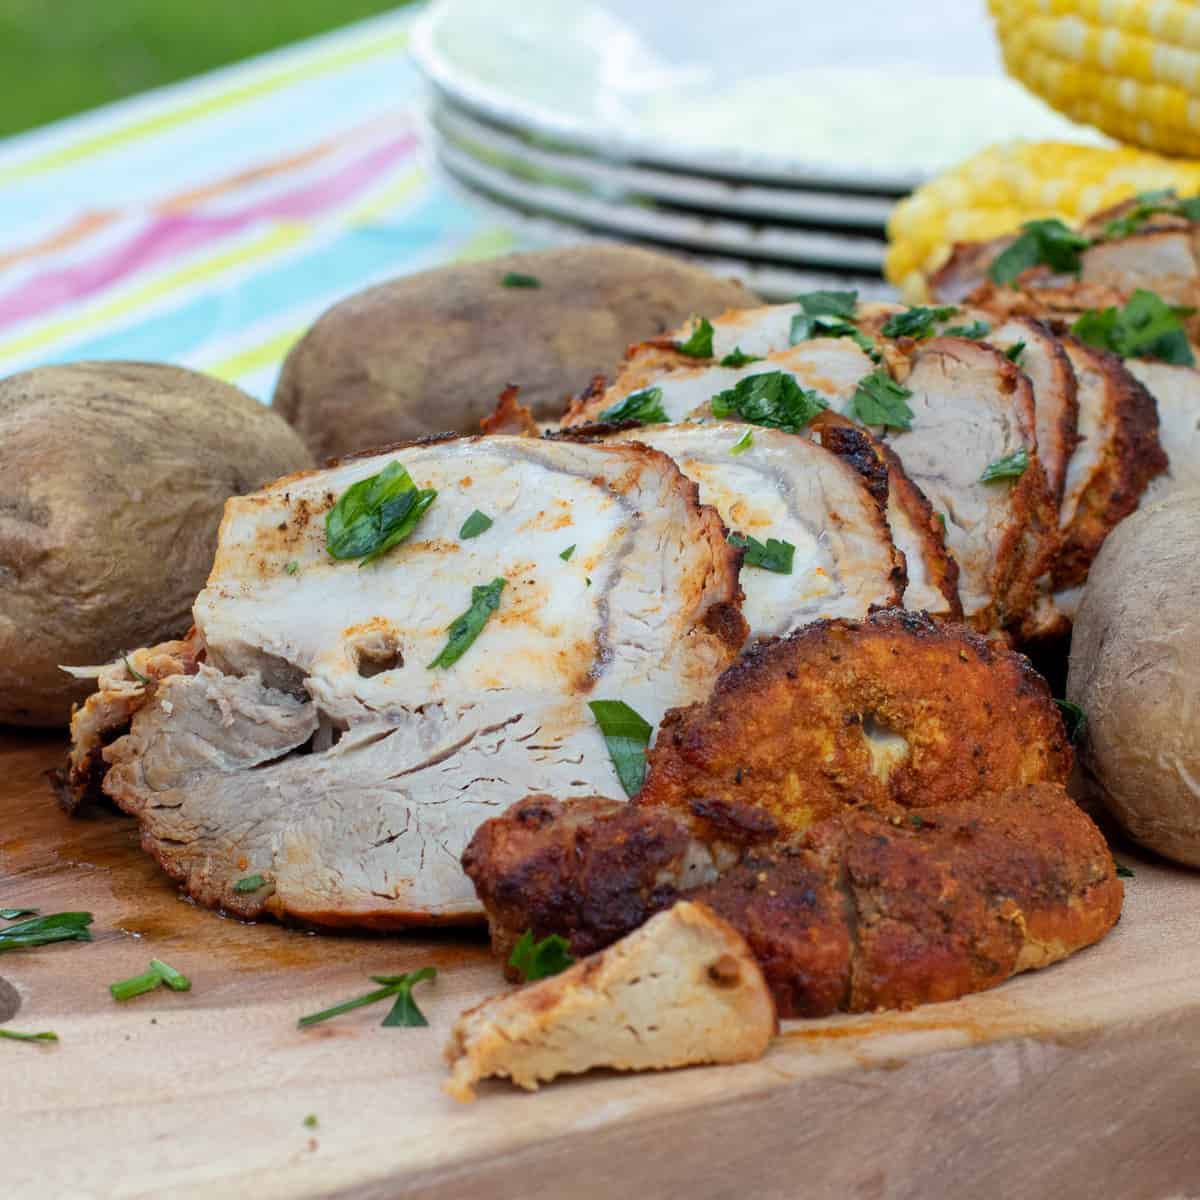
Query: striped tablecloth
207,224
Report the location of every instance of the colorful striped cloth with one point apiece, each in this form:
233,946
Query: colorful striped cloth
209,223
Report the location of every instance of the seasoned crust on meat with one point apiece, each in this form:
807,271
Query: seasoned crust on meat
896,708
683,989
510,416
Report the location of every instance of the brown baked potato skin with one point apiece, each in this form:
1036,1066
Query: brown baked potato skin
430,353
113,477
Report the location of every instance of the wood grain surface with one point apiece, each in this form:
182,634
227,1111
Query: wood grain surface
1078,1081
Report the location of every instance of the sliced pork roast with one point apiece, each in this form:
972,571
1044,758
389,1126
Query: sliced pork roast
1176,391
334,751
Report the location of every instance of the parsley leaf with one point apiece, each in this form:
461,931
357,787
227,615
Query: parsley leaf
973,330
17,1036
917,322
565,555
42,931
310,1122
743,443
539,960
465,628
1047,242
829,304
158,974
1014,352
627,734
771,398
829,315
775,555
700,342
880,400
1146,327
735,358
1147,205
375,514
514,279
1074,718
404,1011
474,525
11,914
1123,872
292,567
1011,466
252,883
644,407
134,674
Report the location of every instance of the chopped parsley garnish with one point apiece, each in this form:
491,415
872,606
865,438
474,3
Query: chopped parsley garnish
292,567
404,1011
539,960
474,525
1014,352
464,629
974,330
565,555
829,304
773,555
700,342
1049,243
42,931
514,279
11,914
829,315
158,975
1074,718
627,735
771,398
1149,204
1011,466
644,407
735,358
252,883
1123,872
743,443
375,514
1146,327
942,520
917,322
135,674
310,1122
880,400
17,1036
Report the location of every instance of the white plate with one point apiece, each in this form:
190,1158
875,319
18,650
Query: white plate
518,156
769,280
771,243
862,93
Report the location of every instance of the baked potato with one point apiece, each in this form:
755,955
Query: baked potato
113,476
431,352
1133,663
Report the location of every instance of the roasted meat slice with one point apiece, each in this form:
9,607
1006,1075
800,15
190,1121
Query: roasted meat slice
1176,392
320,748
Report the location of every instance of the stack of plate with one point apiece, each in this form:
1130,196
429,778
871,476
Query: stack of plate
766,139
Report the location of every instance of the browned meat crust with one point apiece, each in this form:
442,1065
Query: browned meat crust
510,415
893,709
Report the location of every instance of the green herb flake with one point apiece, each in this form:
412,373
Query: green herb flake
804,328
251,883
942,520
627,735
1074,718
829,304
1014,352
743,443
772,555
515,279
375,514
158,974
42,931
1150,204
1049,243
134,674
398,986
772,398
880,400
539,960
699,343
292,567
1123,872
474,525
1146,327
464,629
11,914
973,330
565,555
917,322
1011,466
736,358
310,1122
644,407
17,1036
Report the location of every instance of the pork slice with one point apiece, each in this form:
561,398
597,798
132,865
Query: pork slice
1176,392
1161,260
972,408
966,269
378,766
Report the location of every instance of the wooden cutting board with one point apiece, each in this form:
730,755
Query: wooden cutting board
1078,1081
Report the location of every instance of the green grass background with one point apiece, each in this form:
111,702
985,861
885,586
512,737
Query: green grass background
59,57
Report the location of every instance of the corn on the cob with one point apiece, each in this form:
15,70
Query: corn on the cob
995,191
1129,67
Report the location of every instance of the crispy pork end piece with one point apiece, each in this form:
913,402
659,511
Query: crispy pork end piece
591,869
972,408
683,989
1176,392
1119,453
510,416
897,708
